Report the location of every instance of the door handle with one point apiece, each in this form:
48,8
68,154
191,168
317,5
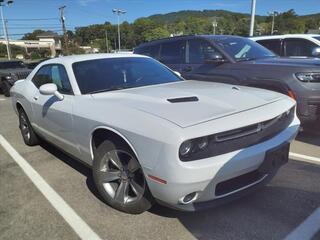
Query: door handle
36,98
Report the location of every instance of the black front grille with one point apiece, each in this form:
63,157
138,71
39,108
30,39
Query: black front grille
21,75
237,183
244,137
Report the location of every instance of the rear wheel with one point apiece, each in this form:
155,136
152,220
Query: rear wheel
6,88
119,178
29,136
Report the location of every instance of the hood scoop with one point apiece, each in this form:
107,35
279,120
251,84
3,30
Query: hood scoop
183,99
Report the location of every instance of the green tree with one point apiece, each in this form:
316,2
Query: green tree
156,33
35,33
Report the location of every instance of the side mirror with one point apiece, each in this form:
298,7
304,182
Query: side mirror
50,89
215,58
316,52
177,73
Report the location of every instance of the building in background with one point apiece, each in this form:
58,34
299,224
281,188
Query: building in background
46,41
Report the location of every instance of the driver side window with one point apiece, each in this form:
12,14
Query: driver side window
53,73
199,51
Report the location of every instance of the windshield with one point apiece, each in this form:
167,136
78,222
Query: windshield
6,65
242,49
318,38
108,74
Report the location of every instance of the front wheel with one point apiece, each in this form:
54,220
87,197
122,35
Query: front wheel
119,178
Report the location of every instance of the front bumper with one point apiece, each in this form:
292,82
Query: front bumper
203,176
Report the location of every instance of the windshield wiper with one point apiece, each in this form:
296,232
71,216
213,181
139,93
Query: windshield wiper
107,89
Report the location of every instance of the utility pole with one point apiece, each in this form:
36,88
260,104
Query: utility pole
118,12
273,14
107,42
4,25
253,13
65,35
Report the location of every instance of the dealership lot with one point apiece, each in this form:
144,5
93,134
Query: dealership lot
271,213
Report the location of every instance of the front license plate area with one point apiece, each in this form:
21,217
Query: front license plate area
275,158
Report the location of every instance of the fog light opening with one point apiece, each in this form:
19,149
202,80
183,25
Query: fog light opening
191,197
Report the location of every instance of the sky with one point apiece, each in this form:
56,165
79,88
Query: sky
23,15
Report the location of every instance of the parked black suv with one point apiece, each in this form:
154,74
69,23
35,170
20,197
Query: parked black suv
11,71
241,61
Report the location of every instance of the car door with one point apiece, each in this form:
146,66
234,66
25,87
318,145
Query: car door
297,47
173,54
53,117
275,45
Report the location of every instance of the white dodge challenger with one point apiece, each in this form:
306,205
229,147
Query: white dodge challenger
149,135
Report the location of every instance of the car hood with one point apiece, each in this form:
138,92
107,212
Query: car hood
288,62
188,103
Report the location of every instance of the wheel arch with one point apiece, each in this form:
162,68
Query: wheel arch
101,133
19,106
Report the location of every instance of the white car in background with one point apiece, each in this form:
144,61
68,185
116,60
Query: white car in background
150,135
292,45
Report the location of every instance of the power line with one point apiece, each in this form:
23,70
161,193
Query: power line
32,19
57,27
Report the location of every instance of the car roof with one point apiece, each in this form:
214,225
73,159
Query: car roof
85,57
306,36
183,37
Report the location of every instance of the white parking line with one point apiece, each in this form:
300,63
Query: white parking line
2,99
70,216
306,158
307,229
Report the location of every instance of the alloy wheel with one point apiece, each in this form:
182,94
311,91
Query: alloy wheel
24,127
122,177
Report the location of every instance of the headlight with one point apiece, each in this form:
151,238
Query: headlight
309,77
9,77
193,146
185,148
203,143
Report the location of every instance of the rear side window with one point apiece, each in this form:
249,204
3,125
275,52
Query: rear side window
151,51
299,47
173,52
53,73
273,44
199,50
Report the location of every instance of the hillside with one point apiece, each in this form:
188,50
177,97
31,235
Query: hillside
205,14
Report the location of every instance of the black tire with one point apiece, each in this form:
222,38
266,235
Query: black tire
114,179
30,138
6,88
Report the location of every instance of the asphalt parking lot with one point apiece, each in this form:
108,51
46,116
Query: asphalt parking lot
273,212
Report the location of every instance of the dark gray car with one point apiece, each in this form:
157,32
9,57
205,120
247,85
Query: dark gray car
241,61
11,71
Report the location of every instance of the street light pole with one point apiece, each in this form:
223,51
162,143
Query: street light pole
5,27
253,13
118,12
